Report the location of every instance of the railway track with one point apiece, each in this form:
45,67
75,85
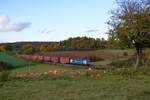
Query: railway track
82,66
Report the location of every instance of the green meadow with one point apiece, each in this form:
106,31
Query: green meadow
12,60
81,87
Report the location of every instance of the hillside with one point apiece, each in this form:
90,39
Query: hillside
12,60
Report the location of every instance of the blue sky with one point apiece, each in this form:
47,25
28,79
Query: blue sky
53,20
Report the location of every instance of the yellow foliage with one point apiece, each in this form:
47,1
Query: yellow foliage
3,48
134,57
43,48
148,54
53,46
142,61
18,56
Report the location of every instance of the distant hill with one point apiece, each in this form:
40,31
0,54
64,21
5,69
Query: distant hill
36,45
33,43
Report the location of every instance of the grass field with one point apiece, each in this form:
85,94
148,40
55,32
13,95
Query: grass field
116,51
43,68
12,60
82,87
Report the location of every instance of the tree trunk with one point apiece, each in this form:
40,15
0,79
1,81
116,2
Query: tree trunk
138,57
137,60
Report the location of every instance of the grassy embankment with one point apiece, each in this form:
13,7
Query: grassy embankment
12,60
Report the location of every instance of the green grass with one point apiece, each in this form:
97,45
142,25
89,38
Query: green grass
12,60
116,51
107,62
108,87
80,88
43,68
101,63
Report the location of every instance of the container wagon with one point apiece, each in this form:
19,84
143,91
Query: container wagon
55,59
64,60
34,57
47,59
41,58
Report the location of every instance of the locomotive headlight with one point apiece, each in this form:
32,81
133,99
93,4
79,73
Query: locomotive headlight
84,62
71,60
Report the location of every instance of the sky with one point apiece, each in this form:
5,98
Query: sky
53,20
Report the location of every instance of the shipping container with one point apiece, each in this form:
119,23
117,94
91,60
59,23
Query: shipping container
40,58
27,56
34,57
46,58
65,60
55,59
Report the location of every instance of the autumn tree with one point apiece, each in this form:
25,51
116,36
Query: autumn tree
83,42
78,43
130,24
73,43
91,43
113,43
27,49
43,48
6,47
98,42
53,46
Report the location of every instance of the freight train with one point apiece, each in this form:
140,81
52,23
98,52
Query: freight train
62,60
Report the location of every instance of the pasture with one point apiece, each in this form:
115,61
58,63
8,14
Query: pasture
81,87
112,85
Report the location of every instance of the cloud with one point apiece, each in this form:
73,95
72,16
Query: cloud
4,19
7,26
46,31
92,31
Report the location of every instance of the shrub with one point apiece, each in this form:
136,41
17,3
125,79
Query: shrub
125,54
122,63
127,73
5,66
3,76
18,56
131,72
95,58
147,57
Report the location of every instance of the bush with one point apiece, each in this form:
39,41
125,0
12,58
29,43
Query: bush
122,63
131,72
3,76
95,58
18,56
5,66
127,73
147,57
125,54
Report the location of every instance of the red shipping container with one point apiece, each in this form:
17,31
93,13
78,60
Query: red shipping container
40,58
47,58
65,60
28,56
34,57
55,59
31,56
